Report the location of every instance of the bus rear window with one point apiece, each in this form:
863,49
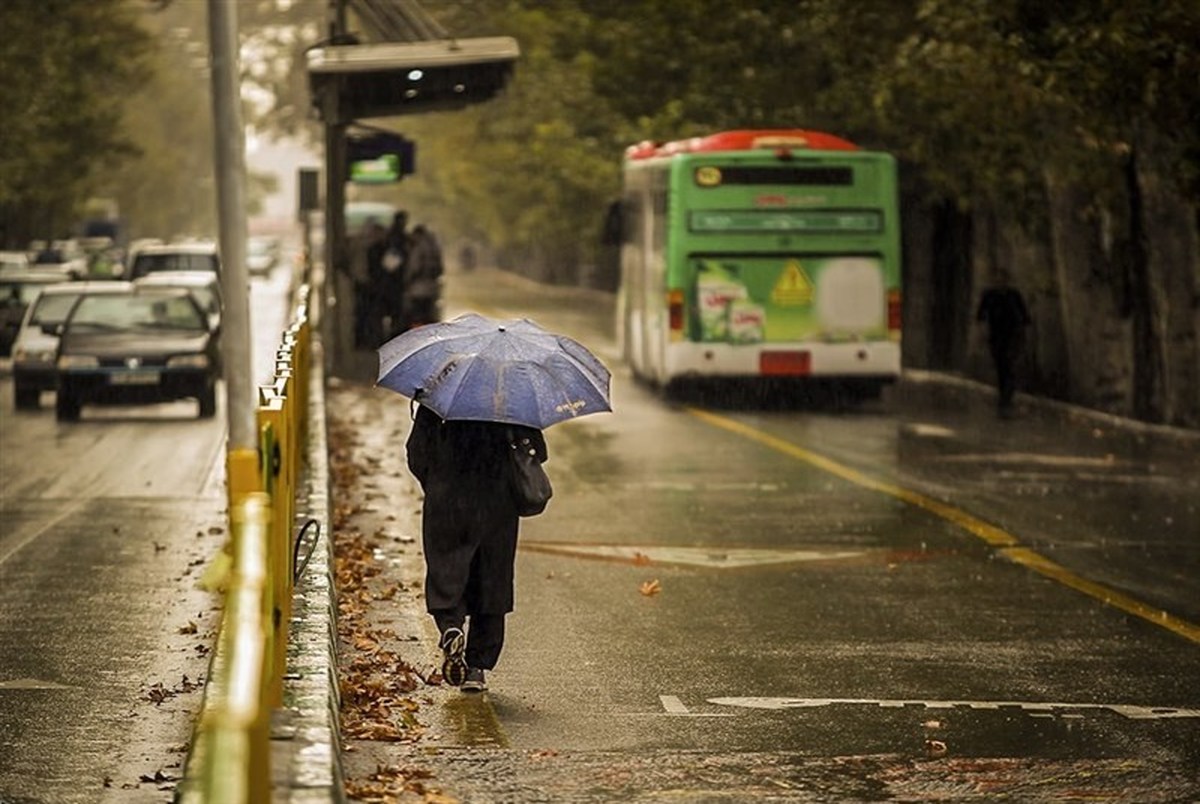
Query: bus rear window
710,176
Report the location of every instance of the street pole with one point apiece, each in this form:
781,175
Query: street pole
229,152
337,352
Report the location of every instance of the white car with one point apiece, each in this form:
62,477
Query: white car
14,262
204,285
197,256
262,255
35,349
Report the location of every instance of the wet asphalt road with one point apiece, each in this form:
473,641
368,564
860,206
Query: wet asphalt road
105,525
907,600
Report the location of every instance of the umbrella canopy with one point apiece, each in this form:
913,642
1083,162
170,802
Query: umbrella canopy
482,369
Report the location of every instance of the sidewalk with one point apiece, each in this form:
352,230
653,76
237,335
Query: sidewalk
386,698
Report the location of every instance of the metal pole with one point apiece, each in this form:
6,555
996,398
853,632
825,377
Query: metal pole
338,352
229,151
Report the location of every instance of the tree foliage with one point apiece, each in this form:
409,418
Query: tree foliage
65,65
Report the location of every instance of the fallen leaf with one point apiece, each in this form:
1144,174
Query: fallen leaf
650,588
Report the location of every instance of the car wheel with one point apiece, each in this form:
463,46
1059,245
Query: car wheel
26,398
66,407
208,402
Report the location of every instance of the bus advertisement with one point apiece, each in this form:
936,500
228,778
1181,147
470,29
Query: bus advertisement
767,253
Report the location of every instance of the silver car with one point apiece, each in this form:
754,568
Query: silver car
36,346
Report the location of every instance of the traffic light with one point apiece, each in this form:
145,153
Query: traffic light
352,82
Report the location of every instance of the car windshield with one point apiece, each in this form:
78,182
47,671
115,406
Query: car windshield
125,313
52,309
206,298
20,292
153,263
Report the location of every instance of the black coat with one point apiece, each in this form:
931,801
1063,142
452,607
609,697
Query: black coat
469,522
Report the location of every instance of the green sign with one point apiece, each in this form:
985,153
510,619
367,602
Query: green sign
383,170
785,220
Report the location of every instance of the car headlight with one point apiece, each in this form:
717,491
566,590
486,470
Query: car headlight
188,361
77,362
24,356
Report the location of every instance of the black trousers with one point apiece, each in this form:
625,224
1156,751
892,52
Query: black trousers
485,635
1004,357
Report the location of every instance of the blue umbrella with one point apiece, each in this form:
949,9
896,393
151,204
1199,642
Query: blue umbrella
498,371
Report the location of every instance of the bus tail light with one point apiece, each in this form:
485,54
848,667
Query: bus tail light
893,309
675,310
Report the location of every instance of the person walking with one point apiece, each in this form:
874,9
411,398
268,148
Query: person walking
365,267
388,282
1002,308
422,278
469,531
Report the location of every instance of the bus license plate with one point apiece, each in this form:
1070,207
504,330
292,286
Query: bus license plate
785,364
133,378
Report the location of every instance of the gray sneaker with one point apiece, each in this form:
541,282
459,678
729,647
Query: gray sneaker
454,648
475,681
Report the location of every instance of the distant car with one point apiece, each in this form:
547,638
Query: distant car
13,262
35,349
150,259
17,290
70,262
262,255
205,286
141,346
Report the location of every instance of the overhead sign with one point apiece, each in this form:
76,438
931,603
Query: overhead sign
380,158
351,82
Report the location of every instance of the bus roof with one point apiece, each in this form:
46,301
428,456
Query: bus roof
742,140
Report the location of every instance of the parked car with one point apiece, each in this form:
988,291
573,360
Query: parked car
204,285
35,349
262,255
141,346
13,262
17,290
198,256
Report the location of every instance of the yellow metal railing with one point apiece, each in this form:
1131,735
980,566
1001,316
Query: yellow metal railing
229,761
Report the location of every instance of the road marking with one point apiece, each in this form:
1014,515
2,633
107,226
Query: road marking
673,705
33,684
1009,545
1033,708
63,514
708,557
675,708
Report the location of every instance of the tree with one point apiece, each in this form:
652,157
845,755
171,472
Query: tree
66,65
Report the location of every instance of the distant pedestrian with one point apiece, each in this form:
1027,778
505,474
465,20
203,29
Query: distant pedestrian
422,278
388,283
364,267
469,530
1003,309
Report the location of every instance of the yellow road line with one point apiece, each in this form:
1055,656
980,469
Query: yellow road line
1009,545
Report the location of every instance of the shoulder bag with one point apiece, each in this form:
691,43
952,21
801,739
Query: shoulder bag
527,480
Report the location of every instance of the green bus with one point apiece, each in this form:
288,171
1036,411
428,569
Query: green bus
763,253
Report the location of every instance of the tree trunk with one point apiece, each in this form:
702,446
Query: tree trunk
1098,360
1171,289
1148,306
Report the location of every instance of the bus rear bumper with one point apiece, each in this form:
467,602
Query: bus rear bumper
878,360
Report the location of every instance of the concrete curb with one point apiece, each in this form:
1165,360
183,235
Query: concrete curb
306,751
926,377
